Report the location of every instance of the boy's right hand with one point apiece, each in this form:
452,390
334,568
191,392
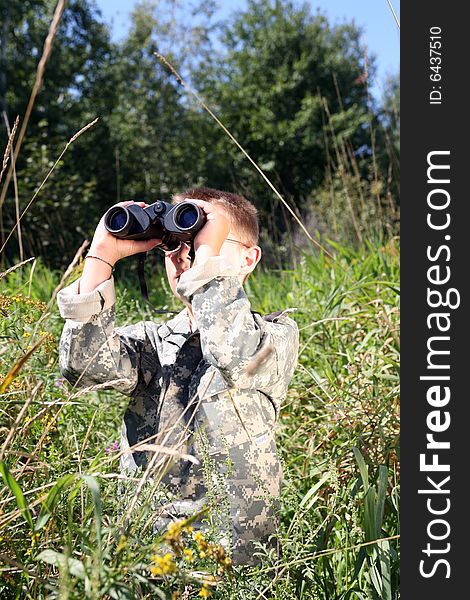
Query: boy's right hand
110,248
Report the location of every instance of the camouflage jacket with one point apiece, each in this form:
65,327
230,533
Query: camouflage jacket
204,401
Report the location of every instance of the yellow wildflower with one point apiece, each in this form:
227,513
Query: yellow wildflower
173,529
205,592
35,538
156,570
164,565
200,541
189,554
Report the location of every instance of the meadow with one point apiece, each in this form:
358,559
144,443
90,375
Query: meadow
62,534
295,93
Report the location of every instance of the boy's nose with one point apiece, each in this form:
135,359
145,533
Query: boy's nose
184,251
181,259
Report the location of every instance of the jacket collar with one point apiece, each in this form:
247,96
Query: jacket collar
176,330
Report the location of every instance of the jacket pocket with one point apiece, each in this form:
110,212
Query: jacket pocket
232,418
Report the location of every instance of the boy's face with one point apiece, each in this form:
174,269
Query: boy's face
235,253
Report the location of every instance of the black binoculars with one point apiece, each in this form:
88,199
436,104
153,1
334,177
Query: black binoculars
170,223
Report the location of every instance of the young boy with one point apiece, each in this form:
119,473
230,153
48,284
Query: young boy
208,383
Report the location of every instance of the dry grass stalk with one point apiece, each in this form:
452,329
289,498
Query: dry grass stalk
15,187
13,372
39,415
258,359
38,447
87,435
14,267
14,427
342,166
47,49
372,133
11,137
329,552
163,450
79,462
13,515
97,386
237,411
70,268
32,573
394,14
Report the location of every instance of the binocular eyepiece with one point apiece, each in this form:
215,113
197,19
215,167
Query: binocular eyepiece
170,223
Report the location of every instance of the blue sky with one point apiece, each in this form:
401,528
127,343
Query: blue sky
381,33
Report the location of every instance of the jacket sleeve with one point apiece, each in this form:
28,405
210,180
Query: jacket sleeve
250,351
93,351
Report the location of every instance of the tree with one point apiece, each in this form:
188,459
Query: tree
283,73
153,122
76,89
289,86
388,138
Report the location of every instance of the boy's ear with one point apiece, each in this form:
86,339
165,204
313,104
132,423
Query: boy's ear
251,258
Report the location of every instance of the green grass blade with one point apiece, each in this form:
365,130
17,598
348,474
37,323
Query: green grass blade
369,516
307,501
15,489
94,488
382,484
385,570
362,469
52,500
376,579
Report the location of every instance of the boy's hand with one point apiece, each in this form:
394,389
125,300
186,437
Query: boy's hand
210,238
110,248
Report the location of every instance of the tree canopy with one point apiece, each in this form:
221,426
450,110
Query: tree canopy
291,88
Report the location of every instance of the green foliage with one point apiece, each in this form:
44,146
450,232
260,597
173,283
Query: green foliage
337,437
279,65
77,87
290,86
15,489
388,134
150,121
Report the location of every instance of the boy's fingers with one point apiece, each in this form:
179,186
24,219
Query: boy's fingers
206,206
145,245
129,202
212,211
132,247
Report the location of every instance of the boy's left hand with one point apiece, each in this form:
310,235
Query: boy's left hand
210,238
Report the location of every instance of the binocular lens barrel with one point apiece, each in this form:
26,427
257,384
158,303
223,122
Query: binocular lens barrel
186,217
117,220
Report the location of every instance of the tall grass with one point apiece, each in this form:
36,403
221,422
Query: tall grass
61,500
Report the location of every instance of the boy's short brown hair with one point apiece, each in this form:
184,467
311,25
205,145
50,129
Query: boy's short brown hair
241,212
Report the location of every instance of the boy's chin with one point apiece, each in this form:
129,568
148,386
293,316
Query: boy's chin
173,289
